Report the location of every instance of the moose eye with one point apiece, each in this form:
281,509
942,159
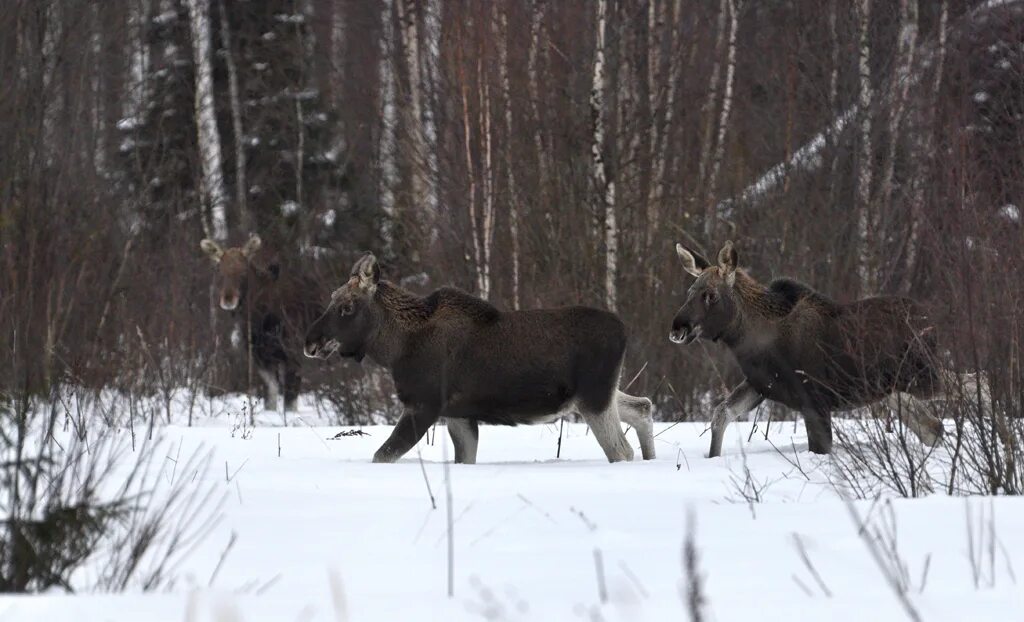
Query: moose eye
346,308
710,298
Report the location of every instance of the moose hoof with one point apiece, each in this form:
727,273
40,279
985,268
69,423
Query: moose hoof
384,457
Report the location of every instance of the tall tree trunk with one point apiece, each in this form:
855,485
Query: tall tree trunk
386,144
708,109
536,42
922,154
662,116
206,119
487,176
510,176
604,187
711,217
907,47
241,187
471,178
423,193
865,259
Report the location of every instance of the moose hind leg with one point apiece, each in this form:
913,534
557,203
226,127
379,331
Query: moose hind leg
411,427
608,431
273,388
292,385
819,430
914,414
465,435
636,411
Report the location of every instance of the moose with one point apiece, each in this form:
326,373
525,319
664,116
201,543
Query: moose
456,356
250,283
797,347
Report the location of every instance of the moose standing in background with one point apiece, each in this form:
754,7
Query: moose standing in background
276,308
456,356
797,347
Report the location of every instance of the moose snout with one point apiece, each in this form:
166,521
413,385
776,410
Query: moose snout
682,331
229,301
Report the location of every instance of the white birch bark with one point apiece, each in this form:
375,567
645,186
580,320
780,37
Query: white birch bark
536,41
423,194
430,59
711,217
387,139
206,119
604,187
487,175
907,47
473,220
510,176
708,109
864,168
922,152
241,186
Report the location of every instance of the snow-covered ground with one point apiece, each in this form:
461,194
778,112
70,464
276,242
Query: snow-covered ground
323,534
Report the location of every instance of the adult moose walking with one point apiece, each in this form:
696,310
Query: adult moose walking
456,356
797,347
276,306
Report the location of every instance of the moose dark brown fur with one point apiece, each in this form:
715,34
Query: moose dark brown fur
277,306
807,352
456,356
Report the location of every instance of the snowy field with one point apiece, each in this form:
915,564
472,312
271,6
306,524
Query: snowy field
320,533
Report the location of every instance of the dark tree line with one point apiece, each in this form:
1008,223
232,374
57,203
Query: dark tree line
534,152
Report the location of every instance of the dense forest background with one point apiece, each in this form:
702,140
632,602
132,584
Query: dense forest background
533,152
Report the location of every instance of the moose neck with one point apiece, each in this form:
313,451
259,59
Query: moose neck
398,313
756,313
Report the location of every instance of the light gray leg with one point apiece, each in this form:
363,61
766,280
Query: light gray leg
608,431
915,416
465,435
637,412
741,400
273,388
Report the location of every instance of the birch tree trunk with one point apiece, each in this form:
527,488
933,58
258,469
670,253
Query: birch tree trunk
864,173
906,49
536,41
708,109
510,176
430,59
487,175
662,115
604,187
711,218
471,203
387,140
241,187
423,193
206,119
920,170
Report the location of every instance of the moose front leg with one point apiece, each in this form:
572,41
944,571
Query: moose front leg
411,427
741,400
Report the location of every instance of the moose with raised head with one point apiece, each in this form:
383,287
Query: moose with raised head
797,347
456,356
276,307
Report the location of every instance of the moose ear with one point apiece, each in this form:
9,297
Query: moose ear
212,249
252,246
368,272
727,260
693,263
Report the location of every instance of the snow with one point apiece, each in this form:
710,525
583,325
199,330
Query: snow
1010,212
289,208
325,535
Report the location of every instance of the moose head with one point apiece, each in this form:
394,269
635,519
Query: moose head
233,268
710,307
350,319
